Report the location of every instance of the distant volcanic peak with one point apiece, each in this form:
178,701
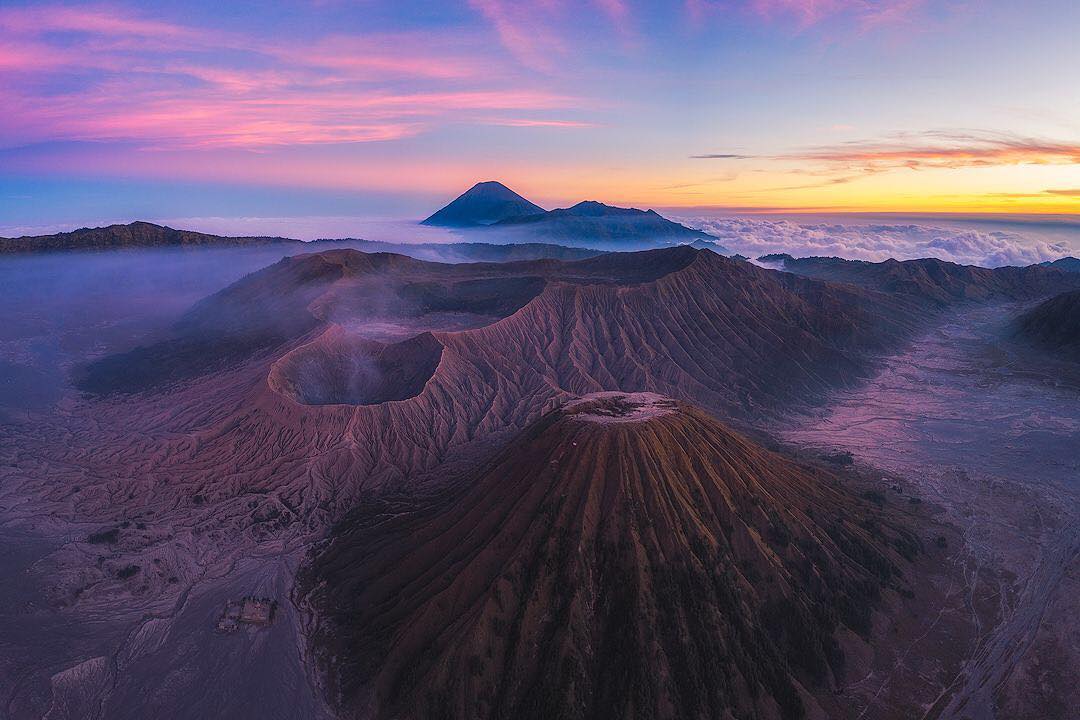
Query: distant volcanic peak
619,407
485,203
661,567
587,224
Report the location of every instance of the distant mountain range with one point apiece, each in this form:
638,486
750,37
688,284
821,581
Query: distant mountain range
133,235
145,235
932,281
498,214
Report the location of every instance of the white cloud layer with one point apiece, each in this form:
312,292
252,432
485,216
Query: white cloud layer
757,236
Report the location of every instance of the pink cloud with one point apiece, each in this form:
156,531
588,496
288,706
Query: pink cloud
541,33
18,56
620,16
525,29
231,114
378,56
98,21
526,122
167,85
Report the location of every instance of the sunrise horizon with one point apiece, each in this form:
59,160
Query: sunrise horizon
763,106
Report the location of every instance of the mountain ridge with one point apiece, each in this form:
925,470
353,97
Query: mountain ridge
137,234
1054,324
562,298
1069,264
145,235
935,282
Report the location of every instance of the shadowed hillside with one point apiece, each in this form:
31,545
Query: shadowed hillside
1069,264
1054,325
935,282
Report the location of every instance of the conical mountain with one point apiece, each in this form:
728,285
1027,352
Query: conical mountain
484,203
626,556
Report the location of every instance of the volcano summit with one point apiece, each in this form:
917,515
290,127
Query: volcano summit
625,556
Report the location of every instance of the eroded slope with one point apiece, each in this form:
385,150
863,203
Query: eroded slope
626,556
1054,325
936,283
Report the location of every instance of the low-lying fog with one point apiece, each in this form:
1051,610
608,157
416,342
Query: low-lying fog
62,309
987,240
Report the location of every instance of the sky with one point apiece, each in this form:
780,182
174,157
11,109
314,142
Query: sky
298,108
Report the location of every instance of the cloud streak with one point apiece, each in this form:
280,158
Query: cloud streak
930,150
944,149
543,34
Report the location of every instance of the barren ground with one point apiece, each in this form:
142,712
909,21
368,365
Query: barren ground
991,434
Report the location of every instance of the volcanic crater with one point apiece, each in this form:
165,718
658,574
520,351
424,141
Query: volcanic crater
339,369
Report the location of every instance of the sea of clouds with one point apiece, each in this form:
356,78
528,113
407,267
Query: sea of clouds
756,236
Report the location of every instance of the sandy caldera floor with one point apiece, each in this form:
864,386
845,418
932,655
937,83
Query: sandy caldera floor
991,434
980,432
